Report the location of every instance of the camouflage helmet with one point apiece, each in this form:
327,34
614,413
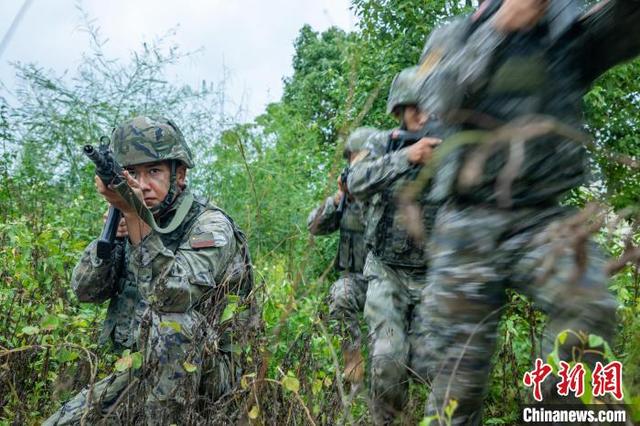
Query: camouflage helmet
357,140
149,139
404,89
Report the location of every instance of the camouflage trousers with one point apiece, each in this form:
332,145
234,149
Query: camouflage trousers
389,312
162,386
477,254
347,302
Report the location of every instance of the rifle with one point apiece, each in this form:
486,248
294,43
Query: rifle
110,172
399,139
343,201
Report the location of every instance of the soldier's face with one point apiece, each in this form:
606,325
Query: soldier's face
154,180
413,118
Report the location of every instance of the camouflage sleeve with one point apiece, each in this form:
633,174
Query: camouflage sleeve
456,65
175,282
94,280
323,220
611,35
373,174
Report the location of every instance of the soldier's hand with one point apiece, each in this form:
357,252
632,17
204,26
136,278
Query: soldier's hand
111,196
114,198
519,15
422,151
122,226
134,185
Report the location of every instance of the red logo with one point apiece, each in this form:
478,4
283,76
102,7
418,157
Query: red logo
607,379
604,379
572,379
536,377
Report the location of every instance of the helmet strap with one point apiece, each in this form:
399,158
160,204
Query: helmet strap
173,191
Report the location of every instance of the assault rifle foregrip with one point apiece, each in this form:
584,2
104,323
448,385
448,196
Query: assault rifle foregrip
109,171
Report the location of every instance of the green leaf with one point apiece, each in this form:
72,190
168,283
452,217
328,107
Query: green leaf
50,322
81,323
172,324
188,367
595,341
125,362
451,408
30,330
66,355
136,360
244,382
428,420
291,383
254,412
562,337
554,360
608,353
228,312
316,387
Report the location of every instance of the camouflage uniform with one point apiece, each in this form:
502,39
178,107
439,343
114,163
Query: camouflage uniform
165,296
347,294
483,246
396,264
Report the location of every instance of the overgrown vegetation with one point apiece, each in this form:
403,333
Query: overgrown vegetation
268,174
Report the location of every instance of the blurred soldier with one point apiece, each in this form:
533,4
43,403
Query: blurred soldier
166,291
396,265
342,212
502,227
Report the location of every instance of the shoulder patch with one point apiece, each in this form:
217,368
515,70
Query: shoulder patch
206,240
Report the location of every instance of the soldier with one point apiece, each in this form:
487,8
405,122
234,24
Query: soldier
165,291
502,227
396,265
342,212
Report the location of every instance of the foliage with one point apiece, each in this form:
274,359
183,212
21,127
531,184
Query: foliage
613,111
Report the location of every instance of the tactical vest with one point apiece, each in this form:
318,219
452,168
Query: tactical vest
352,249
123,315
390,241
528,76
